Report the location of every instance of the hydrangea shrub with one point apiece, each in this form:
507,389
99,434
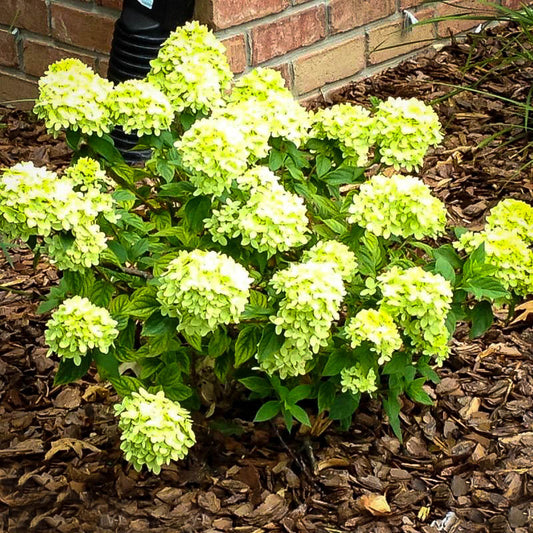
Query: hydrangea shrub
289,251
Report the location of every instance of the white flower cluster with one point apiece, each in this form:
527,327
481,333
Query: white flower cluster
72,96
155,430
312,294
377,327
512,215
350,125
214,150
399,205
140,107
336,253
405,129
34,201
419,302
270,220
77,327
191,69
205,290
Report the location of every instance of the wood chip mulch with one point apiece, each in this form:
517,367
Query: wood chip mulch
466,464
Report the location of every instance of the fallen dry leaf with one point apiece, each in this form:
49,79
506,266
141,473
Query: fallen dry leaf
66,444
375,504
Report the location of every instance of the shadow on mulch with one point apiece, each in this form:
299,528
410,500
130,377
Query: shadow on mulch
466,464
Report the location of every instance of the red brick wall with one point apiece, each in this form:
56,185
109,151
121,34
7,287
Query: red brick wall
316,44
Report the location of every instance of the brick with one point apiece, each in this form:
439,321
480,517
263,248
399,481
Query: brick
26,14
39,54
388,40
14,87
8,50
345,15
288,33
113,4
327,65
236,51
82,28
285,72
220,14
463,7
409,4
103,67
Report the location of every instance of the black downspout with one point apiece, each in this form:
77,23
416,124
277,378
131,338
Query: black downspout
141,29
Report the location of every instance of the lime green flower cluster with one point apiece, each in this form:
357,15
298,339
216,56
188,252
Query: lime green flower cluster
419,302
355,379
266,108
72,96
313,293
377,327
34,201
215,153
507,252
512,215
77,327
86,174
336,253
271,219
155,430
399,205
351,126
191,69
139,106
405,129
205,290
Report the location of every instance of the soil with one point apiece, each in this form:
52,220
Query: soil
466,464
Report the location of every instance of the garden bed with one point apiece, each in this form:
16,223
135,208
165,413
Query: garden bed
466,463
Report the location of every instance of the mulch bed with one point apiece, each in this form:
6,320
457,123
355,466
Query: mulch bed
466,464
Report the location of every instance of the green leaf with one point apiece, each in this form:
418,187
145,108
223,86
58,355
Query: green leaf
326,395
105,147
287,417
268,411
445,269
270,343
323,164
223,366
397,364
343,175
415,391
101,294
391,406
156,324
196,209
257,384
69,372
485,287
178,191
370,255
53,299
73,139
125,385
253,311
336,226
275,159
258,299
193,340
218,343
300,392
246,344
482,318
344,406
119,250
106,364
299,414
428,372
143,302
79,283
133,220
337,360
161,220
448,253
124,197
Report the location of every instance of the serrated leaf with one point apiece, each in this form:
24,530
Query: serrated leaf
258,299
300,415
196,210
218,343
482,318
323,164
268,411
106,364
156,324
143,303
246,344
326,395
445,269
344,406
101,293
337,360
257,384
69,372
300,392
270,343
125,385
391,406
415,391
485,287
